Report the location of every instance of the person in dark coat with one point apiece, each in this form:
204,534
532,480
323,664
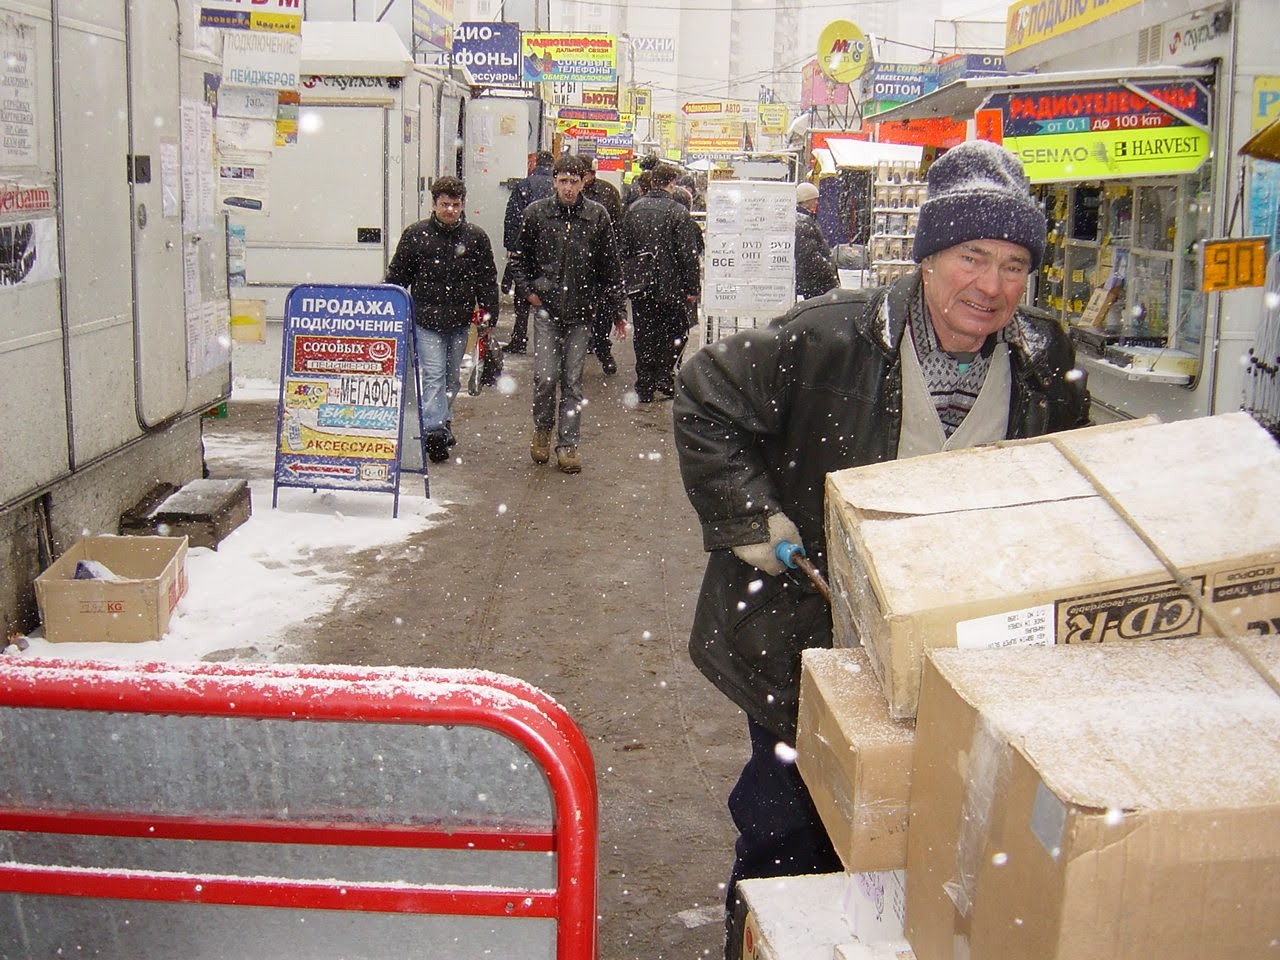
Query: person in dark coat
941,359
815,266
447,266
566,267
536,186
659,246
606,194
637,188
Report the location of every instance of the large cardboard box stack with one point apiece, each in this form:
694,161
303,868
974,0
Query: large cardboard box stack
1046,541
855,759
1119,801
149,579
810,917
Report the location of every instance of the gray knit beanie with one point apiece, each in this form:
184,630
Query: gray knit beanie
978,191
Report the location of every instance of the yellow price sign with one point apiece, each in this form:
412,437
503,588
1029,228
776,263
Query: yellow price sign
1233,263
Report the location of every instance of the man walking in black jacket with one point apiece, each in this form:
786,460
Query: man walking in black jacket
447,265
659,246
566,268
536,186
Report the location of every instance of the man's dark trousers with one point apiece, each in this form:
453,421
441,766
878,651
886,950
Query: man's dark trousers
661,328
779,831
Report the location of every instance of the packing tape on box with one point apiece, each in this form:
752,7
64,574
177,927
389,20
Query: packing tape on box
986,775
1181,579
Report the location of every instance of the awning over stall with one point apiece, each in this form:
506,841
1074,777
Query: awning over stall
1265,144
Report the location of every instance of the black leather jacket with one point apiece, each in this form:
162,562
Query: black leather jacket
568,257
658,244
815,266
449,269
763,416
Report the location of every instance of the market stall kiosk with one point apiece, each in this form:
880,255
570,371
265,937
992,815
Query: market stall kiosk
1133,152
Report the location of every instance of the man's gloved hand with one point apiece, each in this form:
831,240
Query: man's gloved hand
761,555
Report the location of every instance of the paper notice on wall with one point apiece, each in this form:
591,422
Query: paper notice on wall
252,103
170,179
244,187
28,251
237,136
197,181
19,147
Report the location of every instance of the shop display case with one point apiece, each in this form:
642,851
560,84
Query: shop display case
897,193
1120,272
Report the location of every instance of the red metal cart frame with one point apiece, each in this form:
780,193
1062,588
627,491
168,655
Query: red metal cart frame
470,698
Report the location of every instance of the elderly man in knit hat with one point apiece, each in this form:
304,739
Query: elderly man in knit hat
943,358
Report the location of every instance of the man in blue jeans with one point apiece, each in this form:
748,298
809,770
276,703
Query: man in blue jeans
447,264
566,266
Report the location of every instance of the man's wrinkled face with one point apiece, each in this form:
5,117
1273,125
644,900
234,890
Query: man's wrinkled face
568,186
972,290
447,209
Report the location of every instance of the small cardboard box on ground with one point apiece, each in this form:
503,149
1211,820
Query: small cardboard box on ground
1119,801
1042,541
807,917
152,578
855,759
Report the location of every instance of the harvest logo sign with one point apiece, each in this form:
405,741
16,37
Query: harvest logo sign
1102,132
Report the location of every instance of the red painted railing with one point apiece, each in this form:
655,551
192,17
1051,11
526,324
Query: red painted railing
469,698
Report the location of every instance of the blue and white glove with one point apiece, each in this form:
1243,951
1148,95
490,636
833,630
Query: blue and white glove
763,556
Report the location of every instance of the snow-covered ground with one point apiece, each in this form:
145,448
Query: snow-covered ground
271,572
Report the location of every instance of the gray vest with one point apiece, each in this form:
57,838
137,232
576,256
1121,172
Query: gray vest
922,431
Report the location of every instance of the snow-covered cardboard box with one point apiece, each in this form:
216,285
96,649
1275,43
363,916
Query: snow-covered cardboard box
854,758
138,582
806,918
1119,801
1058,539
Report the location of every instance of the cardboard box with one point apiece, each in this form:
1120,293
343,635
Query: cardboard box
855,759
807,917
1013,545
133,609
1127,810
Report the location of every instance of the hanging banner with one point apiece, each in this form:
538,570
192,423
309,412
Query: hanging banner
268,16
1102,131
581,57
490,51
342,387
1032,21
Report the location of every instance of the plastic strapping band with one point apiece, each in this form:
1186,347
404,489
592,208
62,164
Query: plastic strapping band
1184,583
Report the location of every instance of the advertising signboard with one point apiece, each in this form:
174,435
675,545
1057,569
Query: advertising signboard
272,16
750,252
342,377
490,51
580,57
1101,132
843,51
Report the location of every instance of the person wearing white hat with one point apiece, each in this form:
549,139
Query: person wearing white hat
815,267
